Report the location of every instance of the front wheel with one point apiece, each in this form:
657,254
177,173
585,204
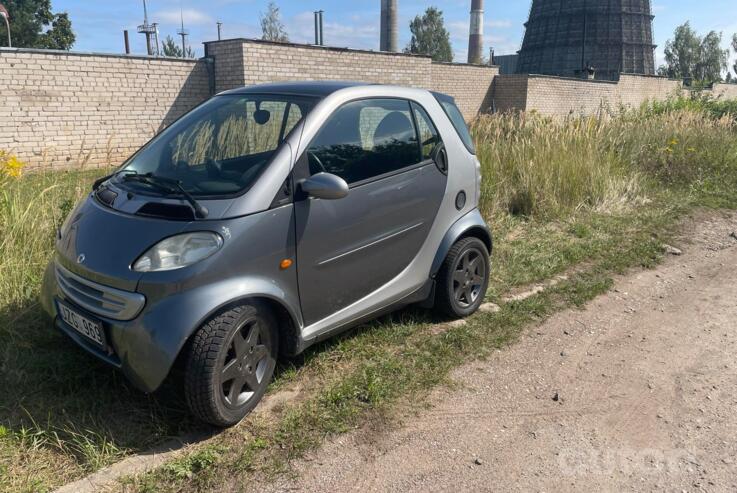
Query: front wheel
463,278
230,363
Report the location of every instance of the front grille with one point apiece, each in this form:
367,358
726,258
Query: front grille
99,299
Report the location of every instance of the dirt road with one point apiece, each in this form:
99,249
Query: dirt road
638,391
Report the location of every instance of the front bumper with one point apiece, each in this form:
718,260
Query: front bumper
142,348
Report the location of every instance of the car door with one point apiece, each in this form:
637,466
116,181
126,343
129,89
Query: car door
350,247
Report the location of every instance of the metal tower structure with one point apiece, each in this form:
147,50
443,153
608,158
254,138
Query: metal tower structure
183,33
152,33
588,38
476,33
389,30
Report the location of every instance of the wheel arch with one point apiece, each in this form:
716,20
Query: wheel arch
470,225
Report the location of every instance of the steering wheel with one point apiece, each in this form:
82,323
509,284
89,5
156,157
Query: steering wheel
316,160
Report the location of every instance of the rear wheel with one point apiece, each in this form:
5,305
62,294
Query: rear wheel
230,363
463,278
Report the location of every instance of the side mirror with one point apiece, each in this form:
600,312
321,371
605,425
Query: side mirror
325,186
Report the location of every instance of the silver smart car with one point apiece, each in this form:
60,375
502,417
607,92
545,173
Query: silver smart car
267,219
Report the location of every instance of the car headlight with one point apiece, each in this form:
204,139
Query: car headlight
179,251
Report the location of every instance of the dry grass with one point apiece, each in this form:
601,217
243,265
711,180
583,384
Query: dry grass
537,166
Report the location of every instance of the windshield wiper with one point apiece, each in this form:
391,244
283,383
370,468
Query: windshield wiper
170,186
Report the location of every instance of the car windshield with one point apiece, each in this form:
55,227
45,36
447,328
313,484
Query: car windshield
221,147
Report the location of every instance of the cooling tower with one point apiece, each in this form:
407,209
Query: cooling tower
570,37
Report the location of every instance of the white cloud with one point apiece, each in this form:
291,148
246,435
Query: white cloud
192,17
498,23
361,35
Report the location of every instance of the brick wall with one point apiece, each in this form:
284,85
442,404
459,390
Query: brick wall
560,96
510,93
725,91
66,109
62,109
470,85
241,62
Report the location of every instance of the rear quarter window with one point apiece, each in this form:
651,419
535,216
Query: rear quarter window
456,118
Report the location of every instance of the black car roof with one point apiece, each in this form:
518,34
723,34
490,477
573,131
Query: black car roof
316,88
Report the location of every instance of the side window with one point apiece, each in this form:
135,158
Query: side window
429,137
364,139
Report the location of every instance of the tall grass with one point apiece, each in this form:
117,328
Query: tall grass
548,168
32,207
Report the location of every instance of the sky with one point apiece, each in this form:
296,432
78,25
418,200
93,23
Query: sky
354,24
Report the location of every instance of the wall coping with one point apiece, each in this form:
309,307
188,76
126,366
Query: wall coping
315,47
595,81
465,64
37,51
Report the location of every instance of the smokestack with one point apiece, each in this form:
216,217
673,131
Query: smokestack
476,36
127,43
322,38
317,27
389,30
319,40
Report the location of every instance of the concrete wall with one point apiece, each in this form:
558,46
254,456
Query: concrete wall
60,109
241,62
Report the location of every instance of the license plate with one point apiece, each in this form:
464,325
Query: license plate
91,329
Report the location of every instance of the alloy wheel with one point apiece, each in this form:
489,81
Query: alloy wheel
245,364
468,278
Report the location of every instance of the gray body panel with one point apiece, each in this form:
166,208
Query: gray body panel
354,257
350,247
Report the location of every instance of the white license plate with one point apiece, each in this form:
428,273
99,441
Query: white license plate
91,329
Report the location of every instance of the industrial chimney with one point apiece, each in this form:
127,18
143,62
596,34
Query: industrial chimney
389,31
476,35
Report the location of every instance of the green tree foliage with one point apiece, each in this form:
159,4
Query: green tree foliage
171,48
734,47
689,55
429,36
272,28
34,25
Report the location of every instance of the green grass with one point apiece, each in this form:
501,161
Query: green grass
588,197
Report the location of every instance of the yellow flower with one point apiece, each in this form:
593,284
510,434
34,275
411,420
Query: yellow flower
691,149
11,165
673,142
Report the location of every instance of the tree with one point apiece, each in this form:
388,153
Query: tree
34,25
272,26
734,47
713,60
172,48
688,55
429,36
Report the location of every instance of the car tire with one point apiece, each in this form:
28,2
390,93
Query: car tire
463,278
230,364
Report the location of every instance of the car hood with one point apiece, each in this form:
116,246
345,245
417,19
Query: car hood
101,244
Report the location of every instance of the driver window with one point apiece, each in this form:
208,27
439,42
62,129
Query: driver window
364,139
